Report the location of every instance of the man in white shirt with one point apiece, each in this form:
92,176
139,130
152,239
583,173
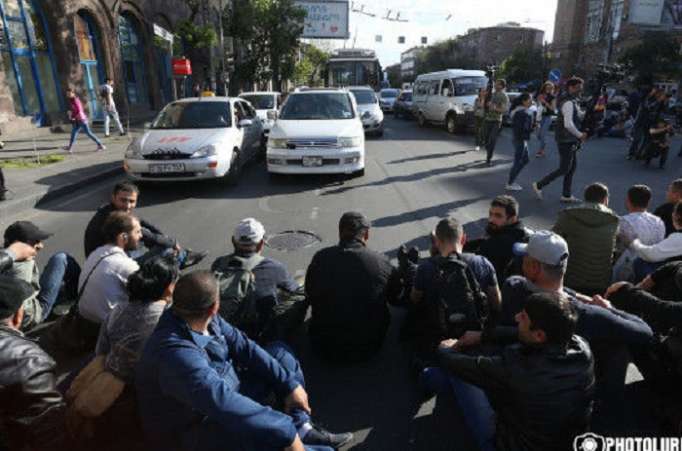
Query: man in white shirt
640,224
106,92
103,280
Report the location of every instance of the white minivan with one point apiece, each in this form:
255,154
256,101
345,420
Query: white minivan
267,106
447,97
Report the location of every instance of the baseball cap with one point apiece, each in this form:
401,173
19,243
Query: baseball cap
546,247
353,222
25,232
249,231
13,293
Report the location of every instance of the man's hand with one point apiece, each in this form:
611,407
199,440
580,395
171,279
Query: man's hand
613,288
177,247
583,137
470,338
450,343
647,284
297,399
296,445
601,302
22,251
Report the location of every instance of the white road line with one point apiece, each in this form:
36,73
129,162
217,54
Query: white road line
315,213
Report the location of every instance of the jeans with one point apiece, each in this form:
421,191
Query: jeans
60,268
568,161
520,159
480,131
473,403
77,127
492,131
112,114
544,131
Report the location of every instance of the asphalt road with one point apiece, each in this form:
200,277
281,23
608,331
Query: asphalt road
413,178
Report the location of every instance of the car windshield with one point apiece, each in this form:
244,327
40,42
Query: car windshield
406,96
469,86
364,96
317,106
194,115
389,93
261,101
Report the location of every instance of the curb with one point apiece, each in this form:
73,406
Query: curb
15,206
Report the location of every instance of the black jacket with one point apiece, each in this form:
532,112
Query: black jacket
497,246
661,315
665,212
542,396
522,124
31,408
151,236
348,287
6,261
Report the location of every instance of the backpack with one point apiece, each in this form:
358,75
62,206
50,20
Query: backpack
237,284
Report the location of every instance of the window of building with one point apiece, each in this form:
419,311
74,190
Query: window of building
595,15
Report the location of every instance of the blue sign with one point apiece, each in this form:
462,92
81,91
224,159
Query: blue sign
555,75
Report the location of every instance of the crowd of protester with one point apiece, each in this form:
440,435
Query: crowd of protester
532,331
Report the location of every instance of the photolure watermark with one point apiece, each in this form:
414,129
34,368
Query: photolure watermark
594,442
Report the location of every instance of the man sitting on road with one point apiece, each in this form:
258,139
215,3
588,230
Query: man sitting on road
124,198
58,282
665,211
31,408
271,281
503,231
590,230
348,286
536,395
202,385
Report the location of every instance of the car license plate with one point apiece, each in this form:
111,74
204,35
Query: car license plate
166,168
310,162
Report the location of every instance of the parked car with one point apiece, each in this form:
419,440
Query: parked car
319,131
267,107
447,98
403,105
197,138
387,98
368,106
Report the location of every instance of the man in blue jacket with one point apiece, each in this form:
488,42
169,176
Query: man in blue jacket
202,384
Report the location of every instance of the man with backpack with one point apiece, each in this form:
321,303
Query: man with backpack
106,93
257,291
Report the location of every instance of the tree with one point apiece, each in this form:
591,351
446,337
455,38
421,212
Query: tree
394,77
442,55
525,64
193,36
310,68
656,56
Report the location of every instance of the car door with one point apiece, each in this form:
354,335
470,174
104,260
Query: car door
443,102
250,131
242,132
431,109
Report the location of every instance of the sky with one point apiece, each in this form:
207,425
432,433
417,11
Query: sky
428,18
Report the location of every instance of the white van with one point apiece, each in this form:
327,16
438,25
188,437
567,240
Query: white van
447,97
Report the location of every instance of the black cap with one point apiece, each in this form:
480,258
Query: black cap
25,232
353,222
13,293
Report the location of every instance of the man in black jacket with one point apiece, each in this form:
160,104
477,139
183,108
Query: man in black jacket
124,198
535,395
31,408
665,211
348,286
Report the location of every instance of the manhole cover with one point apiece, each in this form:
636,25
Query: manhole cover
293,240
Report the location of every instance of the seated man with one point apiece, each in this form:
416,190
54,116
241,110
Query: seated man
61,270
503,231
270,276
31,408
666,282
590,231
202,384
665,211
638,223
535,395
348,286
124,198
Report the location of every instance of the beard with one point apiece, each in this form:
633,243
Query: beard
492,229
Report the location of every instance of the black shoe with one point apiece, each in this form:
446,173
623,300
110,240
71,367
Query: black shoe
122,134
489,163
319,437
413,255
3,195
193,258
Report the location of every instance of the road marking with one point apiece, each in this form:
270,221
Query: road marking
314,214
264,205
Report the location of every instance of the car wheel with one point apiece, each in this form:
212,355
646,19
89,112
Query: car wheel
421,120
451,124
235,171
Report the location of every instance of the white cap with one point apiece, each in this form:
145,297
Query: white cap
249,231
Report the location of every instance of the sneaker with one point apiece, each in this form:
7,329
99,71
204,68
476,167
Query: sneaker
193,258
478,148
539,154
101,148
513,187
569,200
106,135
122,134
538,191
489,163
320,437
3,195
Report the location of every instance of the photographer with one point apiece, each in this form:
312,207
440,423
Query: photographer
659,142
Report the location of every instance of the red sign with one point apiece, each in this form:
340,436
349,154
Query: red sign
182,66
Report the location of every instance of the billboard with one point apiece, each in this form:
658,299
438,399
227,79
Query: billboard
646,12
326,19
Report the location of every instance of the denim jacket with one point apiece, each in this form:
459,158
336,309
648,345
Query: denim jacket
184,379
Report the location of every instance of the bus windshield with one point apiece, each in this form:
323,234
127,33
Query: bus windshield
469,86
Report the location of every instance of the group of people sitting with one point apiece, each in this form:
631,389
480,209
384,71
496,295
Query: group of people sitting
531,331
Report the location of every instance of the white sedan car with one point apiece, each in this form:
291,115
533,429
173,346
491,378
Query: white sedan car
267,107
319,131
197,138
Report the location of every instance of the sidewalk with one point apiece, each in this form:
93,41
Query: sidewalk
31,187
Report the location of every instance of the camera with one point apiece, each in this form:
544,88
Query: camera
589,442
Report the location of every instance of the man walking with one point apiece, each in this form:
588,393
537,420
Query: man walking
496,107
569,138
106,92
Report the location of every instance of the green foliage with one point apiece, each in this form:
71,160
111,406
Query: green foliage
310,68
196,36
394,77
442,55
523,65
656,56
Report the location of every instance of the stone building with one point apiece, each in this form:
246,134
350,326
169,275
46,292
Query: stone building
408,63
492,45
49,45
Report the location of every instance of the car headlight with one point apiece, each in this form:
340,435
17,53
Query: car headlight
355,141
205,151
277,143
134,151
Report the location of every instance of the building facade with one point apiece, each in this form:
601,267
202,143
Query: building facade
492,45
47,46
408,63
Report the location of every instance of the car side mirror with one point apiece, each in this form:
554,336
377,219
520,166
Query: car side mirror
272,115
245,123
